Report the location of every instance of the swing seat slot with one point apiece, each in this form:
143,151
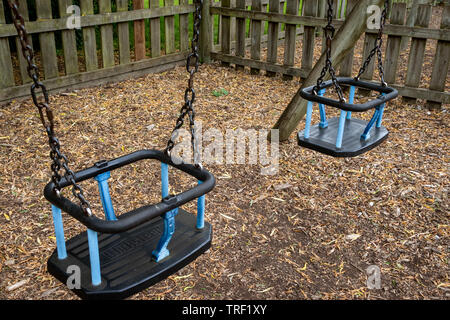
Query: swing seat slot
127,265
137,216
386,94
323,140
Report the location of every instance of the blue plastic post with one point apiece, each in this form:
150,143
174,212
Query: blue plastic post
59,233
164,180
161,250
94,257
340,133
351,99
105,196
308,119
201,210
380,115
323,116
366,135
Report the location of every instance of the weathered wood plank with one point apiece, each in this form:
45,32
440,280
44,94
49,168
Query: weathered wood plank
290,33
123,31
309,35
256,30
417,53
23,65
89,42
226,31
139,33
206,33
441,61
69,41
155,31
184,28
274,28
240,34
47,41
7,78
169,23
398,14
346,67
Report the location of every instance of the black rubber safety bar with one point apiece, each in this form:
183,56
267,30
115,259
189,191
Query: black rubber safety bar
390,93
138,216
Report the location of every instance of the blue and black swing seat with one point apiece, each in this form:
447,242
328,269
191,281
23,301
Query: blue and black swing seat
345,136
123,255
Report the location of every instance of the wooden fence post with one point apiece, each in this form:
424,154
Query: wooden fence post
398,14
123,34
169,23
206,33
155,32
240,34
256,29
273,33
415,61
106,32
309,36
7,78
90,44
47,41
184,28
69,41
290,35
441,61
139,32
226,36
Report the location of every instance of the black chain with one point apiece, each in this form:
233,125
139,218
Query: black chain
377,48
60,161
329,32
192,65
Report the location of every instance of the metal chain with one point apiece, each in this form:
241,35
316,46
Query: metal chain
59,160
192,65
329,32
377,48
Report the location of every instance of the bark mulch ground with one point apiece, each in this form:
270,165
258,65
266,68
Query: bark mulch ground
308,232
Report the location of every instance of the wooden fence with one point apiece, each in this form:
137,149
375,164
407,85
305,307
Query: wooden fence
117,42
309,16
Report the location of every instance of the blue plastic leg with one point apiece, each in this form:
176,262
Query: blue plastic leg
59,233
161,250
308,119
351,99
380,116
323,116
105,196
94,257
366,135
201,211
340,133
164,180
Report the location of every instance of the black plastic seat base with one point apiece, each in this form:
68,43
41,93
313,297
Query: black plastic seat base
323,140
126,260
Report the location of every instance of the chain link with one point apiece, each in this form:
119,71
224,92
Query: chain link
59,160
377,48
329,31
192,65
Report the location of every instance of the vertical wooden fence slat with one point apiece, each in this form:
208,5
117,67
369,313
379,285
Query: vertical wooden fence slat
240,34
265,7
184,29
169,23
69,40
47,41
6,67
139,32
155,32
233,23
23,10
272,40
398,14
441,61
89,42
309,34
226,36
415,61
206,35
123,31
107,36
346,67
290,35
369,43
255,50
